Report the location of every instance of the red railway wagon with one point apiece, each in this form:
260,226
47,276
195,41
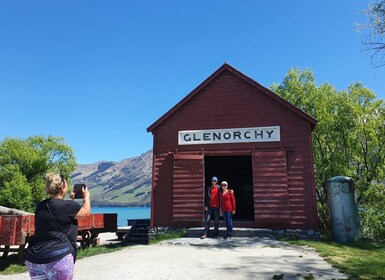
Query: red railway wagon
16,230
90,227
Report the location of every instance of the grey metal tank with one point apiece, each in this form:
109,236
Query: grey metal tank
343,208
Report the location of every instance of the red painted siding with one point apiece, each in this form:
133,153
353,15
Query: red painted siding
284,193
188,187
271,196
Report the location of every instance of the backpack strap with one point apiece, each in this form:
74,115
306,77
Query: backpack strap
59,227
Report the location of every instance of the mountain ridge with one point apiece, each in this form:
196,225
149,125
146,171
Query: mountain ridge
123,183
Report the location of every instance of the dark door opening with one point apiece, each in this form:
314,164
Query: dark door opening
237,171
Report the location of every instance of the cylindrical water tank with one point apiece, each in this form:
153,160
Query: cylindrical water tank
343,208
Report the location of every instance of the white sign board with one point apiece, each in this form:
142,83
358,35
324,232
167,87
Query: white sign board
230,135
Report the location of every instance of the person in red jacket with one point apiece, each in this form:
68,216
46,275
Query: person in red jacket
228,208
212,204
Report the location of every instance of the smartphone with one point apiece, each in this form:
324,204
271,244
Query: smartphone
78,190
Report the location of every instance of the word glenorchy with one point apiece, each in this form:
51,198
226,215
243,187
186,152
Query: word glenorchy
232,135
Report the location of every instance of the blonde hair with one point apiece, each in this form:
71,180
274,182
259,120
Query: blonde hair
53,184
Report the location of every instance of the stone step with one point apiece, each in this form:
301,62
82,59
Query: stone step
237,232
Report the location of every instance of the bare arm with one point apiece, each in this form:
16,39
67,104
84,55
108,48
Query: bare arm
85,211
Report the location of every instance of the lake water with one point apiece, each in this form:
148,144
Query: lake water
125,213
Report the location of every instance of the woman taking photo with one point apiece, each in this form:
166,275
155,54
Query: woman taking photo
228,208
52,251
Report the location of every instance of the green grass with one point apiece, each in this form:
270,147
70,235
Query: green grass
364,260
11,265
168,235
92,251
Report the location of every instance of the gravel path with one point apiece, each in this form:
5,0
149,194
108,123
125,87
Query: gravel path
193,258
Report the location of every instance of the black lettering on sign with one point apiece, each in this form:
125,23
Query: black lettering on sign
270,132
258,134
229,135
216,136
187,137
196,138
237,134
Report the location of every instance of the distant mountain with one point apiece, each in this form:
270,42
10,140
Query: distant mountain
124,183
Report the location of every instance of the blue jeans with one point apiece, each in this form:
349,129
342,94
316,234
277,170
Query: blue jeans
228,217
212,211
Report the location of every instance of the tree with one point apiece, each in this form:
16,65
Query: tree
347,141
23,164
375,41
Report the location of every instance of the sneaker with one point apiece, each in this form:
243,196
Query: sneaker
230,236
225,237
204,236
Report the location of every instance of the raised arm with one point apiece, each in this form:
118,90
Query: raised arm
85,211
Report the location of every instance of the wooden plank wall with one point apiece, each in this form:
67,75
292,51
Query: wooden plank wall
188,187
283,180
161,196
271,197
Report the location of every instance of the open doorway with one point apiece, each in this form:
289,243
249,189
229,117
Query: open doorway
237,171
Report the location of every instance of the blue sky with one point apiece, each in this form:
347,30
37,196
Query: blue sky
98,73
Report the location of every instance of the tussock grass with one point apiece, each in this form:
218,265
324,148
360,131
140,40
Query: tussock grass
363,260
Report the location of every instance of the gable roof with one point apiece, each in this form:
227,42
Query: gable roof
247,79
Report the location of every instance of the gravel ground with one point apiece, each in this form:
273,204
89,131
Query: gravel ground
193,258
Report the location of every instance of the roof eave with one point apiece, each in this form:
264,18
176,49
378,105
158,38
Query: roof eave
244,77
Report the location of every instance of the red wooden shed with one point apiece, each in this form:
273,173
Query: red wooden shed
234,128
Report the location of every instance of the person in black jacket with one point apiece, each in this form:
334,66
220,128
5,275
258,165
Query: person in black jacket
212,205
52,250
